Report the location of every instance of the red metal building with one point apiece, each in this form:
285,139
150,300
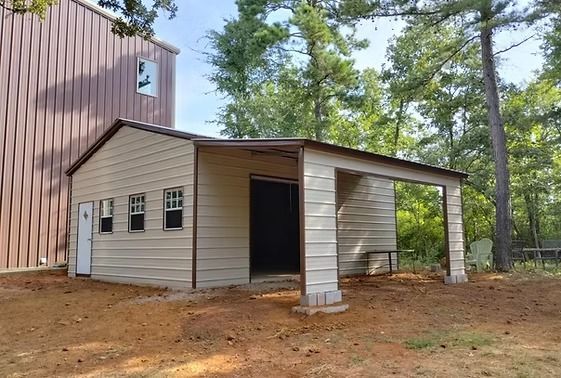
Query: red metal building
64,80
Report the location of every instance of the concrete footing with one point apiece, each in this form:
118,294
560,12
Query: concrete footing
321,299
330,309
455,279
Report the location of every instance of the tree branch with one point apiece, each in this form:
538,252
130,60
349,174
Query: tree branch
514,45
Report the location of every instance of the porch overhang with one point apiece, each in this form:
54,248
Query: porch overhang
318,164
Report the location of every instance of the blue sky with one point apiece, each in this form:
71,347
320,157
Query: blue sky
197,104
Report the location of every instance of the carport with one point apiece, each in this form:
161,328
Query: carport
318,178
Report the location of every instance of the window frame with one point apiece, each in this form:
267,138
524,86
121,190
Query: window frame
137,89
101,216
130,213
165,209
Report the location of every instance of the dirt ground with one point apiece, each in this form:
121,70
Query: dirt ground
404,325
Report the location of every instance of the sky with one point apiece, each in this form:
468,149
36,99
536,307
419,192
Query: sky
197,103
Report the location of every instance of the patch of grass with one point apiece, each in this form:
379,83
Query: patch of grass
357,360
471,340
447,339
420,343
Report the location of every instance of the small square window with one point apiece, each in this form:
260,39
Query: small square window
106,216
136,212
173,217
147,77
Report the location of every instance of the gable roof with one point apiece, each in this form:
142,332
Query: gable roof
200,140
116,126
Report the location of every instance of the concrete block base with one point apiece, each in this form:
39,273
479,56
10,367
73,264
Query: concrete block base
455,279
321,299
310,310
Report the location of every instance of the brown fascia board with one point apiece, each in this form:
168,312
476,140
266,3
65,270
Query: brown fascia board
331,148
202,141
112,17
364,155
116,126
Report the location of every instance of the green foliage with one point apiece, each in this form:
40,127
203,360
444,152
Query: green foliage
135,17
294,57
420,221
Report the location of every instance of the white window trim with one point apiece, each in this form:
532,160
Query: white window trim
166,191
131,213
138,58
101,216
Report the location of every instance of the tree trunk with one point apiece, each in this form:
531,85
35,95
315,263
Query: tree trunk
318,127
397,128
503,238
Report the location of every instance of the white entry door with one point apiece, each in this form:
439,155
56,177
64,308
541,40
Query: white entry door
84,251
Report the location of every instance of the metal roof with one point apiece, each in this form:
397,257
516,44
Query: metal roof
200,140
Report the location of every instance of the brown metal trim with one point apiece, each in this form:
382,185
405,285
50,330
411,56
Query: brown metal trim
446,236
326,147
385,177
195,217
92,6
249,143
259,143
330,148
117,124
255,176
302,209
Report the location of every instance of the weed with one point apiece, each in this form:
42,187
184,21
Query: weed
450,339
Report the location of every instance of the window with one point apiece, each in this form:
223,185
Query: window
106,216
173,209
136,213
147,77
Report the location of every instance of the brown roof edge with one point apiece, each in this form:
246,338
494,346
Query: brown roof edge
112,17
116,126
326,147
248,143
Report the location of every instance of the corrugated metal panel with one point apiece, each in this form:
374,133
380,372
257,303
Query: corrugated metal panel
154,256
365,222
320,224
223,212
69,78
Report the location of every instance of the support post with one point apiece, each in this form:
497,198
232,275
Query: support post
454,247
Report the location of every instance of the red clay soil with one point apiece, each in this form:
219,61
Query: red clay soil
405,325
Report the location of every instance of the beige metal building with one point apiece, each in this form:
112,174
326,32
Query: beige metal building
151,205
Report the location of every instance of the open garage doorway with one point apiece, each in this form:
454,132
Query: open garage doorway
275,229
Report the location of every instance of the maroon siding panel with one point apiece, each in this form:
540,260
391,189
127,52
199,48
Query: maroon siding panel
69,78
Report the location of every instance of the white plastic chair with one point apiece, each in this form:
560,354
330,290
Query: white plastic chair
481,254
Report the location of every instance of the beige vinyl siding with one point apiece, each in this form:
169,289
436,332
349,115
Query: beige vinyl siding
133,162
365,222
223,211
320,224
455,229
